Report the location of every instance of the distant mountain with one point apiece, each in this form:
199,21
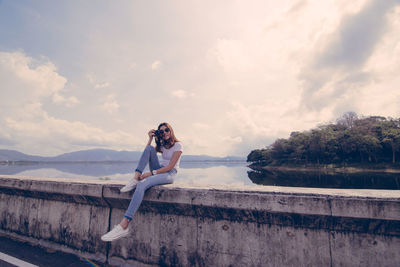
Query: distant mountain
210,158
100,155
12,155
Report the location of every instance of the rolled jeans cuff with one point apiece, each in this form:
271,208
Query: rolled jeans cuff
139,171
129,218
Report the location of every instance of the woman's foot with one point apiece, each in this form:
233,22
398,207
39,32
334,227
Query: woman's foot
131,184
116,233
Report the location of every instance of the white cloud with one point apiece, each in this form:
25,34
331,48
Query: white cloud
179,94
45,129
337,71
233,56
69,102
156,65
110,104
249,72
232,140
32,79
202,126
93,81
27,83
102,85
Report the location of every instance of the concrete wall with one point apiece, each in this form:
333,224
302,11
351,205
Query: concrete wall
180,225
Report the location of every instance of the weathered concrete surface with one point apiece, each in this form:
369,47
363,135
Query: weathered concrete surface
65,213
181,225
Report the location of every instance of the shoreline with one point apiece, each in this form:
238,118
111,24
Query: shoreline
326,169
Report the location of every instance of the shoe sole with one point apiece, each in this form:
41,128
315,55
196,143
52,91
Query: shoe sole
123,191
115,238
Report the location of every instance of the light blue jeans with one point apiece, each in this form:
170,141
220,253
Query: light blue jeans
149,156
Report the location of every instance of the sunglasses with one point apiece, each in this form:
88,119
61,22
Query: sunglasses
165,130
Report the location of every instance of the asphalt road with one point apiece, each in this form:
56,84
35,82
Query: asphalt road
14,253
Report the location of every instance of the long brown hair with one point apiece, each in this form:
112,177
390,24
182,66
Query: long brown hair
171,142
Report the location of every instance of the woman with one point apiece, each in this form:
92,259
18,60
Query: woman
164,173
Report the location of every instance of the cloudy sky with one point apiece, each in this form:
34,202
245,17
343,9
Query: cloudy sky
230,76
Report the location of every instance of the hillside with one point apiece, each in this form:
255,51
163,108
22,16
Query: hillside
351,140
13,155
98,155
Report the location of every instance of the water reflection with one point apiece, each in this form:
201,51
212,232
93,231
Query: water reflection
324,179
209,173
92,169
196,173
215,175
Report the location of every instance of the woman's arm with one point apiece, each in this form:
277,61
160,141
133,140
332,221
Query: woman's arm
172,162
151,135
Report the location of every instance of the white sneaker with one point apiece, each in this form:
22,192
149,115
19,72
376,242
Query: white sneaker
129,186
115,233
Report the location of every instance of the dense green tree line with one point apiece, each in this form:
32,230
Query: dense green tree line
351,140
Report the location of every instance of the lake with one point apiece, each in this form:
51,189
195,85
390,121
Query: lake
210,173
327,179
202,173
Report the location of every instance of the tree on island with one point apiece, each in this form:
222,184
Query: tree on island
351,140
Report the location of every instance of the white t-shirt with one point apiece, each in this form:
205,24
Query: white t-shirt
167,154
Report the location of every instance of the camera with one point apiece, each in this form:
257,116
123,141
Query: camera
159,134
159,137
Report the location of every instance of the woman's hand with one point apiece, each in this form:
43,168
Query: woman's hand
151,133
145,175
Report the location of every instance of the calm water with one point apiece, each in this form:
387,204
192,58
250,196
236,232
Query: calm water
324,179
212,173
202,173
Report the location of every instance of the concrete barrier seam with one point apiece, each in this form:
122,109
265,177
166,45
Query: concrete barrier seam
108,245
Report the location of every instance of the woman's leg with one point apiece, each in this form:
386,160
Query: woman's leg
122,229
149,155
142,186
